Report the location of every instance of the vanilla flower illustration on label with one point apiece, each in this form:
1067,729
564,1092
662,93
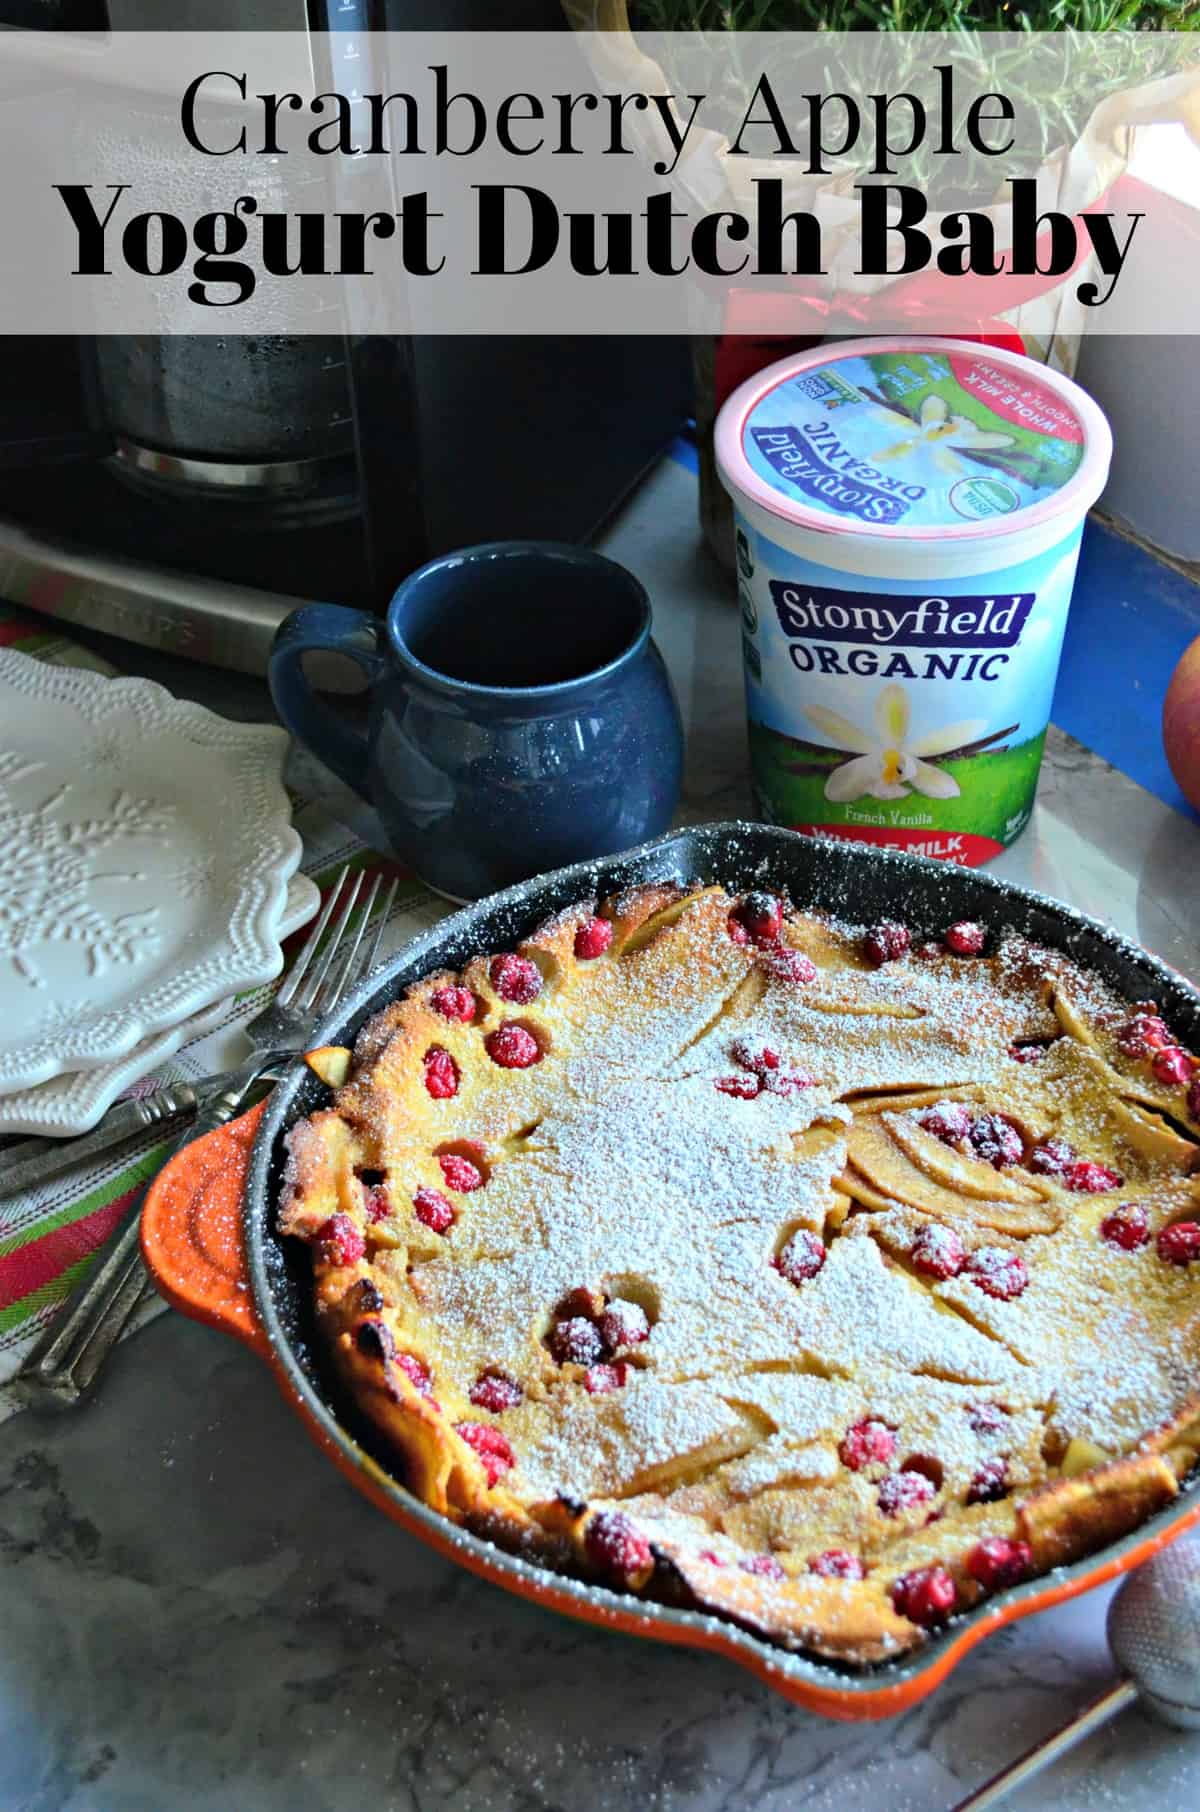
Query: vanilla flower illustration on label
888,765
946,437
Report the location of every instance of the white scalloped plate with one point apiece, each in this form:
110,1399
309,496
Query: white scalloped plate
145,850
73,1103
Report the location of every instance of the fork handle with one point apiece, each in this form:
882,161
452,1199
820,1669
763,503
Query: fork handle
121,1122
64,1364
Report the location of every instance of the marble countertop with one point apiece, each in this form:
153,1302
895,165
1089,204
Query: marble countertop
197,1614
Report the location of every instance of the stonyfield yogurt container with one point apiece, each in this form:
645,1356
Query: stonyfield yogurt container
908,521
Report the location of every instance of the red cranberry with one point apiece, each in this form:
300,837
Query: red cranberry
867,1444
1173,1067
493,1448
623,1324
949,1121
742,1088
753,1056
1179,1244
417,1372
737,930
454,1003
998,1562
576,1341
368,1296
1193,1099
599,1380
996,1141
763,1566
496,1391
966,938
801,1258
441,1073
886,943
761,914
1143,1033
582,1300
593,938
617,1547
709,1558
901,1491
789,967
929,949
925,1596
459,1172
1085,1177
990,1482
433,1210
987,1418
340,1241
998,1273
511,1047
374,1340
777,1082
938,1252
1028,1050
1051,1157
837,1563
376,1202
515,978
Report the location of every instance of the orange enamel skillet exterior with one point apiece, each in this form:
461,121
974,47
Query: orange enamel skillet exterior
208,1235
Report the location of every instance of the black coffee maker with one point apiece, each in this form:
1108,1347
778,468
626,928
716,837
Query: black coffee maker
185,491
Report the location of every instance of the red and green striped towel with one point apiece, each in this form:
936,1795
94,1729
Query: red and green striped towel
48,1238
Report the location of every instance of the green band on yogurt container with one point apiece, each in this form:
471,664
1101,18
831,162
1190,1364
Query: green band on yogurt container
908,521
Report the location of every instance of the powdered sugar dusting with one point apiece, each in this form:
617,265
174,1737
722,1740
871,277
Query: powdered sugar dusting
639,1179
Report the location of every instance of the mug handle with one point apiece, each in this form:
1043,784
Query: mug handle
332,628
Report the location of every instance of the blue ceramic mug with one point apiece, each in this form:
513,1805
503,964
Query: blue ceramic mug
520,717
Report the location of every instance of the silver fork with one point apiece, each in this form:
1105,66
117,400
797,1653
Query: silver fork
64,1364
282,1021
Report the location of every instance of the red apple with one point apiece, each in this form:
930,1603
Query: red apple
1181,724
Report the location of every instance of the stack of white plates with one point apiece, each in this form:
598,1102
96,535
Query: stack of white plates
148,873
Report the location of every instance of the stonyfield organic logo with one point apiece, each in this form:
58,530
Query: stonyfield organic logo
814,460
877,620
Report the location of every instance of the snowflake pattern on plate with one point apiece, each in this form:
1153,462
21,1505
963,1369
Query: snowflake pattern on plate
72,1103
145,850
107,750
49,865
198,876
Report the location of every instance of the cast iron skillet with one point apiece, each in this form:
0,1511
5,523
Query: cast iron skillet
855,882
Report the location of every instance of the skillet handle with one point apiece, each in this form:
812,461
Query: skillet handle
192,1236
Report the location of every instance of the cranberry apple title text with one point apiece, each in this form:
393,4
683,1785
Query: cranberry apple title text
519,229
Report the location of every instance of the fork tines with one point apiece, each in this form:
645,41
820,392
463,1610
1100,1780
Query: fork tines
315,994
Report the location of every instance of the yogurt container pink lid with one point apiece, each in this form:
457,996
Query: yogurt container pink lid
911,440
